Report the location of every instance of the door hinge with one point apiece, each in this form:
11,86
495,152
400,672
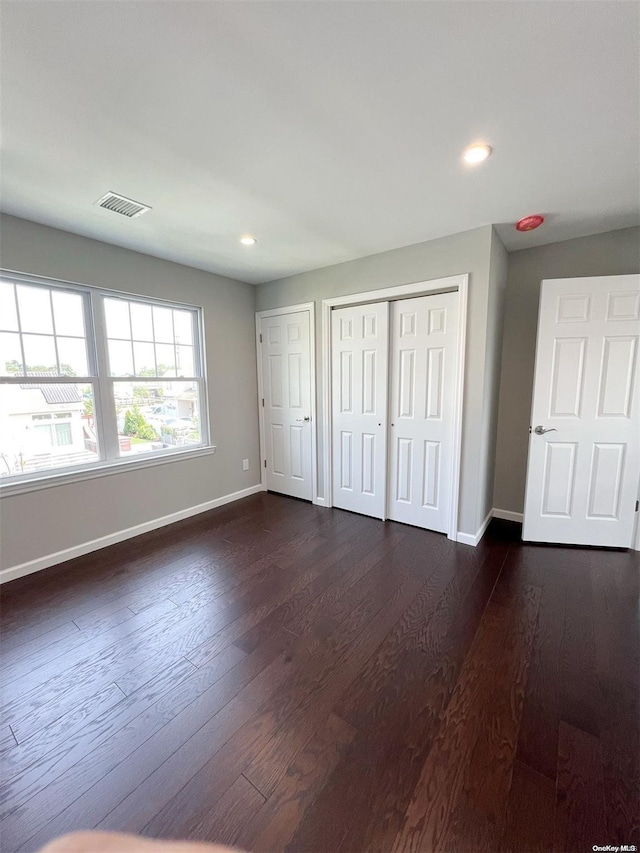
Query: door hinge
263,402
265,463
260,338
637,505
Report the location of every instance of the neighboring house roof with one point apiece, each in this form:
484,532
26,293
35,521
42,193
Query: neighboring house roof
189,394
54,393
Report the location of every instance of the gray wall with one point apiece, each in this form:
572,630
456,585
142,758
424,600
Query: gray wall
69,515
613,253
469,252
495,326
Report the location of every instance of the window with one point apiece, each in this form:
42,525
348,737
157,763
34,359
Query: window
89,378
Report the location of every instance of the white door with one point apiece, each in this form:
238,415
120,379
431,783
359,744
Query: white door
424,335
359,358
286,386
584,449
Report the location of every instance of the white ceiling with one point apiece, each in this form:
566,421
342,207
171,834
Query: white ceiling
330,130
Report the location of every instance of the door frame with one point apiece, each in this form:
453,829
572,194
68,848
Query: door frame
459,283
277,312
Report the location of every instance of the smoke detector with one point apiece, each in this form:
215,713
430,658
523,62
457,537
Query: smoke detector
528,223
122,205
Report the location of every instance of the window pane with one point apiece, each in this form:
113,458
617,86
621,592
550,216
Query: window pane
35,309
40,354
141,324
72,355
42,438
149,346
183,325
120,358
165,360
10,354
163,324
145,359
64,435
68,313
156,415
117,318
30,442
8,313
185,366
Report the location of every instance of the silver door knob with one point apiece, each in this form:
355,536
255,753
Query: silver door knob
540,430
306,420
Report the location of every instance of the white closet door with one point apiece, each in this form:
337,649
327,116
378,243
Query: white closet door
584,448
423,365
359,387
286,384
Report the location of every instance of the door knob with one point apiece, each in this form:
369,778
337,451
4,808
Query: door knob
540,430
306,419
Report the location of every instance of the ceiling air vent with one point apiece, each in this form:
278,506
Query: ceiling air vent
121,204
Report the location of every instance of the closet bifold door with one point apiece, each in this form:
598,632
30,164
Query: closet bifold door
422,407
359,366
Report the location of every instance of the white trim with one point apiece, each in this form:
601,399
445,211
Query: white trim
287,309
105,469
389,294
474,539
33,278
507,515
635,539
419,288
456,468
40,563
386,399
276,312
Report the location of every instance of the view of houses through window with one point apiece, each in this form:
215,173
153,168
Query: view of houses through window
87,377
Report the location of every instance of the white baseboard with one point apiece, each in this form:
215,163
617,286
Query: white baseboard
474,538
507,515
320,502
36,565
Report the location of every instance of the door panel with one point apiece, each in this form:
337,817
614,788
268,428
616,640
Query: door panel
359,403
423,360
286,360
616,377
605,481
431,474
568,377
582,476
559,473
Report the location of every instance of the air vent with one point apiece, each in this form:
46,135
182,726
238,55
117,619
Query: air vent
121,204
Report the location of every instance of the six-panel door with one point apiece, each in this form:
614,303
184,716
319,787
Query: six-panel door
421,434
584,461
359,407
286,384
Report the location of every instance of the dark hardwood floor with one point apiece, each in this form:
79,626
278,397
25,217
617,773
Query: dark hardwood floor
278,676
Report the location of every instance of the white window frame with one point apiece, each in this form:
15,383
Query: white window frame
109,461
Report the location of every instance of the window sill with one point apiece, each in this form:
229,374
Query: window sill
103,469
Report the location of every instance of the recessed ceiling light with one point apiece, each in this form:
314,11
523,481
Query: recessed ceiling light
477,153
248,240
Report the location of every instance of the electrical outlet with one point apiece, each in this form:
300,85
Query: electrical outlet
245,464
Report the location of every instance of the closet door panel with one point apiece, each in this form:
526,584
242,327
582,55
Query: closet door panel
422,365
359,367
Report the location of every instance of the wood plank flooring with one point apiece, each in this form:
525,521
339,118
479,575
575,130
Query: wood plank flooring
279,676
